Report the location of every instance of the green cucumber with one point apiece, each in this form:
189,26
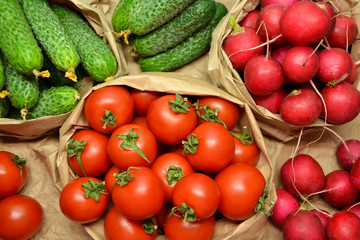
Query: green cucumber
51,35
5,106
186,51
96,57
189,21
55,101
151,14
2,75
120,17
17,40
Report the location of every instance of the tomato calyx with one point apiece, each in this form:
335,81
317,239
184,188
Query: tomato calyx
185,211
209,115
149,225
109,119
124,177
129,139
75,148
190,146
174,174
245,137
179,105
19,162
261,205
94,189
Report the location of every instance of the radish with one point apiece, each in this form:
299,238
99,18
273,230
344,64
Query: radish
348,153
301,64
301,107
335,65
329,9
242,45
343,225
355,174
268,23
353,75
342,103
272,101
354,209
323,215
302,175
305,23
344,32
303,224
284,205
250,19
263,75
339,191
285,3
279,53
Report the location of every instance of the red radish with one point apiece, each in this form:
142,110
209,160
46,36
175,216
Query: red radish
303,224
323,215
272,101
355,174
348,153
302,175
344,32
285,204
263,75
268,23
343,225
240,43
329,9
353,75
301,64
285,3
339,190
301,107
305,23
354,209
342,102
335,64
279,53
250,19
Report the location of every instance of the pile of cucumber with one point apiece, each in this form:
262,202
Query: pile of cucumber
45,50
167,34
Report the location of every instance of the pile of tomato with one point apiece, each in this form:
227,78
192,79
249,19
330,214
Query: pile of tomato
155,163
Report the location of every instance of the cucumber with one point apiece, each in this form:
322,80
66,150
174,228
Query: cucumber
17,40
186,51
2,75
55,101
51,35
151,14
95,56
120,17
5,106
189,21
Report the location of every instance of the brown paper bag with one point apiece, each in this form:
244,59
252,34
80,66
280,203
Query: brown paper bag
181,83
227,78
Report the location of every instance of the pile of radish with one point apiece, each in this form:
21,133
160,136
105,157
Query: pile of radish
294,58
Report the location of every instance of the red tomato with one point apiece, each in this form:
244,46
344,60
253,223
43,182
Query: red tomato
109,178
13,174
88,147
162,215
178,229
178,148
143,99
170,168
78,206
142,196
117,226
241,185
171,127
210,147
132,145
246,150
199,192
141,120
108,108
21,217
228,112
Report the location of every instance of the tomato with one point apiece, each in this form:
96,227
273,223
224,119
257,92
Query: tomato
210,147
108,108
141,193
178,148
171,127
241,185
170,168
141,120
109,178
162,215
176,228
199,192
78,206
132,145
87,153
117,226
143,99
228,112
13,174
246,150
21,217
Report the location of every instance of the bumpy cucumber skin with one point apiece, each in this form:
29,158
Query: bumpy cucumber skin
5,106
186,51
55,101
96,57
24,90
120,17
17,40
192,19
151,14
2,75
51,34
